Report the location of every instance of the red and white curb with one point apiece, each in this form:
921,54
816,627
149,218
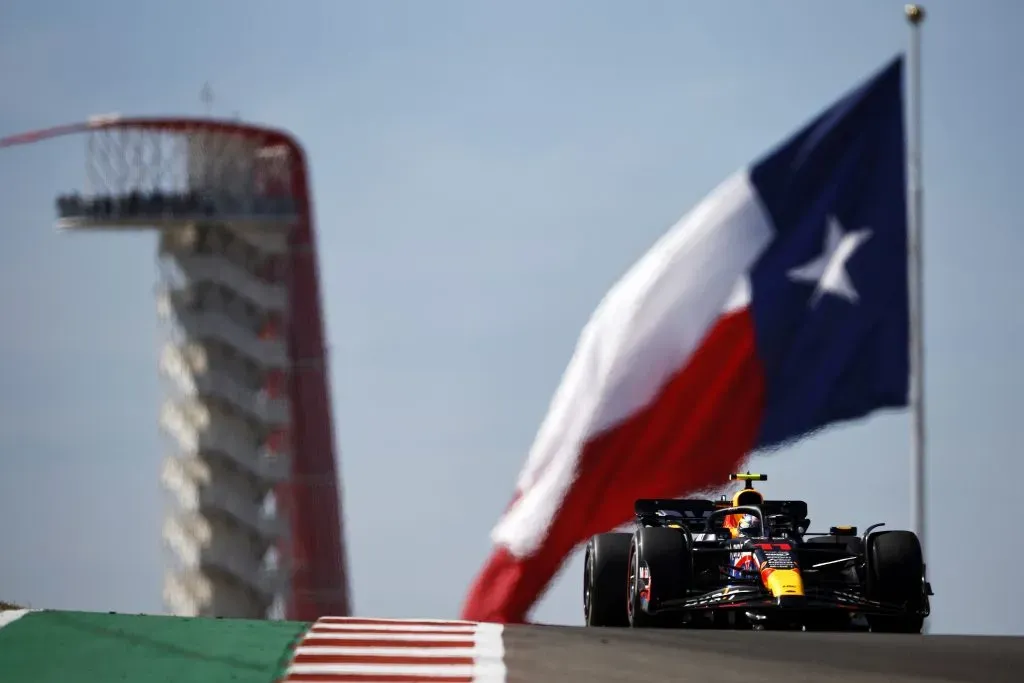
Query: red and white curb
339,649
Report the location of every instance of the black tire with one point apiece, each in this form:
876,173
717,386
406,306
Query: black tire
604,571
666,554
895,574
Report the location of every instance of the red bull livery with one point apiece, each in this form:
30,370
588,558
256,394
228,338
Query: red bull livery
747,562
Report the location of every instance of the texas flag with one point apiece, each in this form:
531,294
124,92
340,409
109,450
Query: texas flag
778,306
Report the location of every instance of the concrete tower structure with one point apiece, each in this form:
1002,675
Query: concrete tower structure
255,517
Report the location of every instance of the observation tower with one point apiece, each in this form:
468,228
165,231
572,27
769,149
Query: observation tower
254,521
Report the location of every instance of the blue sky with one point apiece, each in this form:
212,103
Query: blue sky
482,173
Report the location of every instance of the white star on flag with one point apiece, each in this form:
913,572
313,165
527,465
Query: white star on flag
828,270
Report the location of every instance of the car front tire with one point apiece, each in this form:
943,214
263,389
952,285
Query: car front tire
604,571
896,575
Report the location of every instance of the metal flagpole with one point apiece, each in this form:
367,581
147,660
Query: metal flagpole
915,16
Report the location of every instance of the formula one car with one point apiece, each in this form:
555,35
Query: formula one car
751,563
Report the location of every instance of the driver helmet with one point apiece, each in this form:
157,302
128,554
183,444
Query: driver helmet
749,526
744,497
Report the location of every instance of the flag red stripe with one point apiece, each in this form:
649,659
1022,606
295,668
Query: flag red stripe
698,429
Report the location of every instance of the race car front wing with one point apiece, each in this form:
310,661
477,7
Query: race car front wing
748,597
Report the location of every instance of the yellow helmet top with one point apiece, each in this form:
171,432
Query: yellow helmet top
748,495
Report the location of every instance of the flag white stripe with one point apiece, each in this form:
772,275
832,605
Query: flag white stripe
643,331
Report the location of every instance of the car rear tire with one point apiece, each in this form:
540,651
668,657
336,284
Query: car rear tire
604,570
896,575
666,554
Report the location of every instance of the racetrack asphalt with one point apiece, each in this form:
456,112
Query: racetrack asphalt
559,654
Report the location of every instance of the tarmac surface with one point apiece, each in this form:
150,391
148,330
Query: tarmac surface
578,655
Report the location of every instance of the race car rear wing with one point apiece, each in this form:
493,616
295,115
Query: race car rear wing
693,512
794,509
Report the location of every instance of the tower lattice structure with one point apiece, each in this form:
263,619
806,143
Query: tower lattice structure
254,521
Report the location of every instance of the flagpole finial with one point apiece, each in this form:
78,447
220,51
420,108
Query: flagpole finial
915,13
